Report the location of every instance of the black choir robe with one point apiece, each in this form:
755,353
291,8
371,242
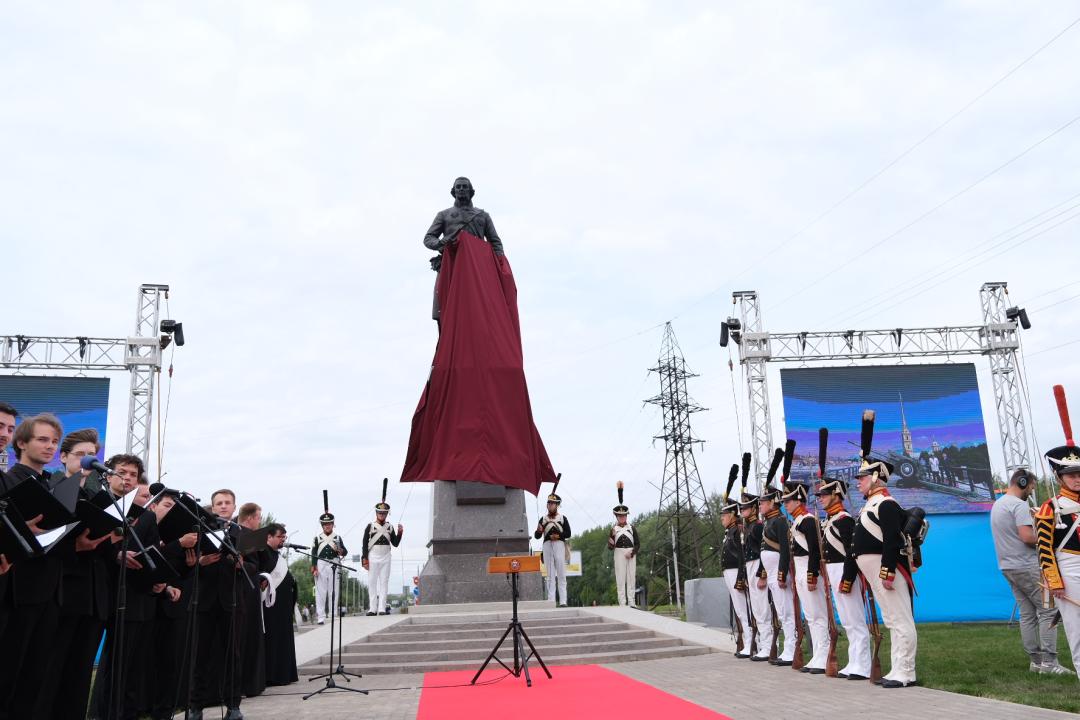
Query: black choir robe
280,639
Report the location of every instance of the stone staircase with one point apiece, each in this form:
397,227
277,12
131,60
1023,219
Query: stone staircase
428,643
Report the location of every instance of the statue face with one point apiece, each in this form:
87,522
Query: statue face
462,190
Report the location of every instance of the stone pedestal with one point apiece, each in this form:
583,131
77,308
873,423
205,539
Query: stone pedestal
470,522
707,602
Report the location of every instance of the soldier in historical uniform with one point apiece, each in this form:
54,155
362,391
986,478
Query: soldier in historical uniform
554,530
379,537
806,552
1057,529
776,560
837,530
624,543
880,552
327,546
734,569
752,533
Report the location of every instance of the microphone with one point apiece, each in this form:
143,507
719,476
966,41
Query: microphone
297,547
157,489
92,463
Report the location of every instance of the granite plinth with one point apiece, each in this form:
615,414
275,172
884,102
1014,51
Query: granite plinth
469,524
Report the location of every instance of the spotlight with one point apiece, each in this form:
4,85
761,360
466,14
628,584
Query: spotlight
731,327
1018,313
174,328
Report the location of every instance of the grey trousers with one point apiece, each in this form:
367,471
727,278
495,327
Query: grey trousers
1040,640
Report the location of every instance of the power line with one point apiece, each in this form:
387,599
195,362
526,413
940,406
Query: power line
892,163
1055,347
822,277
1059,302
964,259
971,265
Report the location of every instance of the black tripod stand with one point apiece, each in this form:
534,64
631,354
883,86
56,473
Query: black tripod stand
340,669
521,660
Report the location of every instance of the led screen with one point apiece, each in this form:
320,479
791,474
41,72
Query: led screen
929,426
79,402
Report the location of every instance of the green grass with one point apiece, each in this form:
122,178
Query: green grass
985,660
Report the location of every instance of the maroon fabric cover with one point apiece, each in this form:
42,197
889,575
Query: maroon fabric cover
474,420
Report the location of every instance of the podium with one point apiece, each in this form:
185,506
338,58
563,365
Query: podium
512,566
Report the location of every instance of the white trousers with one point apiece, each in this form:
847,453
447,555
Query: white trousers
555,567
896,613
324,584
816,612
759,605
742,609
852,614
625,575
782,601
1069,566
378,577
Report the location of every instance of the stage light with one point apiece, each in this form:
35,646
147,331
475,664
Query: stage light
1018,313
175,329
729,327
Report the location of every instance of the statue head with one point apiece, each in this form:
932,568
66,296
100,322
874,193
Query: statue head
462,191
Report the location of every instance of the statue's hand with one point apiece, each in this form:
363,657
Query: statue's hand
436,263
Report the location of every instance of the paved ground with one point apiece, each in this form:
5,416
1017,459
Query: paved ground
716,681
737,687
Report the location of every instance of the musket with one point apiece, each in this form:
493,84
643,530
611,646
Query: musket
773,649
800,632
875,630
798,660
832,665
746,589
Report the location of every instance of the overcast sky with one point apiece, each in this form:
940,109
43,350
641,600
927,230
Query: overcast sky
277,164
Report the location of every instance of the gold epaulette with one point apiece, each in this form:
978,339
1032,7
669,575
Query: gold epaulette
1045,511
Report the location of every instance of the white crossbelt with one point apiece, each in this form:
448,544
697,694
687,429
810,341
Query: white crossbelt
327,541
624,531
553,521
379,532
831,534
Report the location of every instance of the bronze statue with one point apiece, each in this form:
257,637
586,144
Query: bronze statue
462,216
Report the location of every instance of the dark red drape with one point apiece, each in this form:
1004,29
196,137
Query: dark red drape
474,420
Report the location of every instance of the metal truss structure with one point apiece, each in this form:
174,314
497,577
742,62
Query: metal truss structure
138,354
996,338
684,515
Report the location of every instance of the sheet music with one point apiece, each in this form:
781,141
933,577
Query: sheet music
124,501
50,538
215,536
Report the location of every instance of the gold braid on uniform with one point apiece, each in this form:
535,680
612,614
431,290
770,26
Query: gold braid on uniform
1044,538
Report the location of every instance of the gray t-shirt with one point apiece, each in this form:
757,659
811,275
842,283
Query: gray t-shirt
1006,516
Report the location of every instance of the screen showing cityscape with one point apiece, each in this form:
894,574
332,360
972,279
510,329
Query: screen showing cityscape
929,426
79,402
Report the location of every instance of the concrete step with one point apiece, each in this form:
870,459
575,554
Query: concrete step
486,607
491,633
359,655
578,656
379,643
495,625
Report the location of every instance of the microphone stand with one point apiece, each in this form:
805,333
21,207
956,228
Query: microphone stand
192,631
340,669
116,694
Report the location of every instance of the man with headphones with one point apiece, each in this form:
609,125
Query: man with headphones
1014,541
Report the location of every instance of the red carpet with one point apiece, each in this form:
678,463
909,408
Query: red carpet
583,691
